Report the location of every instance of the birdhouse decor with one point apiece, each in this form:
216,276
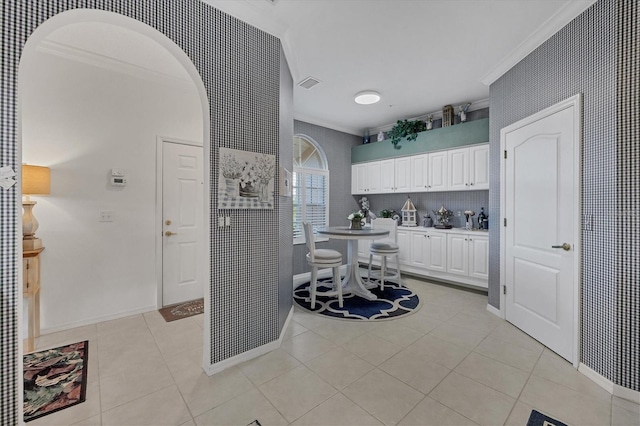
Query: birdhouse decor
409,214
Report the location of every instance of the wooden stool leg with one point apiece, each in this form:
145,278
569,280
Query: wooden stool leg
370,262
383,270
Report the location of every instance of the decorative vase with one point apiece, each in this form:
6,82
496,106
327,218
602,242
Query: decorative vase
231,187
356,224
263,192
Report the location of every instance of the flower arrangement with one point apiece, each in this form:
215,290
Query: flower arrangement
231,168
249,175
355,216
265,168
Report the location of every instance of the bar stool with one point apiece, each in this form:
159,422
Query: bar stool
322,258
384,248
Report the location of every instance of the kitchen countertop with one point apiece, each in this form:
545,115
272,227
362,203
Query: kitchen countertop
449,231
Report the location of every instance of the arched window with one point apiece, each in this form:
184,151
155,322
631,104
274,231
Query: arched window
310,186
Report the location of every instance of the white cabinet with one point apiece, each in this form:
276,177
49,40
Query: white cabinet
468,255
479,257
451,255
469,168
437,251
458,254
419,246
402,174
419,165
479,167
458,169
450,170
404,243
366,178
387,175
438,164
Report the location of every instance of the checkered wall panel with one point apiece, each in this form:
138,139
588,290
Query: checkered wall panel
628,207
597,55
240,66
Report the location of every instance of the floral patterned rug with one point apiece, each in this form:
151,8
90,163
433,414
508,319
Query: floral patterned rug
182,310
55,379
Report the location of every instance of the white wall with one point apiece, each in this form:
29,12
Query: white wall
81,121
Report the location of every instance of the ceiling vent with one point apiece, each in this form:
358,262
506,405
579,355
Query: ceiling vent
309,82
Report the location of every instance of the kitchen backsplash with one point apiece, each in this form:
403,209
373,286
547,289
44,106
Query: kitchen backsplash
426,202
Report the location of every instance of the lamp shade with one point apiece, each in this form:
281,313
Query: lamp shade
36,180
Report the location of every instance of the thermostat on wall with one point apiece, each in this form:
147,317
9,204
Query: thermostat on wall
118,177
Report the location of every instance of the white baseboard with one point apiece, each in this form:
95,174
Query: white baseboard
322,273
609,386
251,354
90,321
495,311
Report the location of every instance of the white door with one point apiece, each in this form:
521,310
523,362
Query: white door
541,190
358,178
182,223
418,249
404,241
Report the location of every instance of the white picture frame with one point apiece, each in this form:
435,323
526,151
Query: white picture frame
245,179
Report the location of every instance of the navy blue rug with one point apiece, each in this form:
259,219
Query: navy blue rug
539,419
394,301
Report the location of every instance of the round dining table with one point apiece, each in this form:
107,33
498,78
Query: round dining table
352,282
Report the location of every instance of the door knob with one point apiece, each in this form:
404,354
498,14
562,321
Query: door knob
564,246
169,233
167,222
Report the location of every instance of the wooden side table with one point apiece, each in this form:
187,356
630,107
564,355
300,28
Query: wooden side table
31,292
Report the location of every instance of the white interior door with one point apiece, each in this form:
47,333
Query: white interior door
182,223
541,194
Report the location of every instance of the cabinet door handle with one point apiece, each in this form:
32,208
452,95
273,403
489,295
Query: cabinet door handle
169,233
471,183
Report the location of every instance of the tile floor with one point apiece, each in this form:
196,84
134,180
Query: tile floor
452,363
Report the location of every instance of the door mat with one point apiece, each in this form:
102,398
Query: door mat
538,419
182,310
55,379
394,301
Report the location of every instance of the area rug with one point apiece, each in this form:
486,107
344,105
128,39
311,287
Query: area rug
394,301
538,419
55,379
182,310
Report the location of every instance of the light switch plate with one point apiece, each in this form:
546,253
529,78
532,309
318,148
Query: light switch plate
106,216
220,221
227,221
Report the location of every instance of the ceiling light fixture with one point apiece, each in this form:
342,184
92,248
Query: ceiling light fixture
367,97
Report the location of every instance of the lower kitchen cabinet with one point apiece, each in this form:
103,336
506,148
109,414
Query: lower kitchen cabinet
456,255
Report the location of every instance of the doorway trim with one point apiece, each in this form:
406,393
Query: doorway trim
160,140
75,16
576,102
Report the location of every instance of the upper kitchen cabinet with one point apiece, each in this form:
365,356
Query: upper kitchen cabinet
366,178
469,168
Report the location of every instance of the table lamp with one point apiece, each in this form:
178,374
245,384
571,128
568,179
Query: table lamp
36,180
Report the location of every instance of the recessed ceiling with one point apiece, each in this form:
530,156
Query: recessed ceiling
419,54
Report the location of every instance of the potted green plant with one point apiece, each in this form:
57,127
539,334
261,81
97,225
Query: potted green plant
406,129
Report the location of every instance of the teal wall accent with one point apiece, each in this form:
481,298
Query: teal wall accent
469,133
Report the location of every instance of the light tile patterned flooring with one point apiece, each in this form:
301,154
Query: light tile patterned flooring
452,363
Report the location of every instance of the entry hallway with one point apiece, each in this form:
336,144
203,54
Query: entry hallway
452,363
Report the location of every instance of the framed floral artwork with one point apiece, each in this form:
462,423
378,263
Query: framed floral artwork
245,180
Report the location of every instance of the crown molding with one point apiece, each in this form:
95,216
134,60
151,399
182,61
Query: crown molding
555,23
87,57
326,124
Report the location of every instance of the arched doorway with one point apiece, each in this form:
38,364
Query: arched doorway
82,170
